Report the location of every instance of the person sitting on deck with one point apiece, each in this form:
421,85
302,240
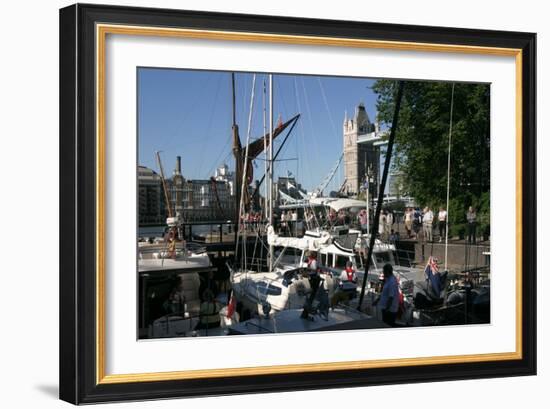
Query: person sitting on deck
347,288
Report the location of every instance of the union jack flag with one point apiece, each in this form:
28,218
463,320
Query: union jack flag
433,276
432,264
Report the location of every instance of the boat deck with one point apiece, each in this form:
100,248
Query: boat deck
290,321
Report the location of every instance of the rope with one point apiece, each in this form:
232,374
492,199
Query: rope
449,176
209,127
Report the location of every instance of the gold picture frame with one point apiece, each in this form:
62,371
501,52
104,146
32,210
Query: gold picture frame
95,23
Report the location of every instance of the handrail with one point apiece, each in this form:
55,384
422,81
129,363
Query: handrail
189,318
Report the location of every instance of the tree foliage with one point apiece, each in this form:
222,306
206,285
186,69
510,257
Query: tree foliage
421,144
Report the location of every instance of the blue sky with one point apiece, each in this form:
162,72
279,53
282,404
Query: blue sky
188,113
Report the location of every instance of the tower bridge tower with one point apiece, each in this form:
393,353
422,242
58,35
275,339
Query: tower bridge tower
361,151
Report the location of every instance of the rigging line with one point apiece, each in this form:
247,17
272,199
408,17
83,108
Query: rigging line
299,109
296,142
449,175
306,103
326,106
328,110
333,128
189,112
300,141
227,143
300,164
254,251
284,110
209,127
220,155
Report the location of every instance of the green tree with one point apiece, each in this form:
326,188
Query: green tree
421,143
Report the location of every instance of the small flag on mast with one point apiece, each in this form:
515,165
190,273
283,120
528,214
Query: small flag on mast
231,307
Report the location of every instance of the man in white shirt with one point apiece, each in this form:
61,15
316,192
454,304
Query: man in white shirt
427,222
442,222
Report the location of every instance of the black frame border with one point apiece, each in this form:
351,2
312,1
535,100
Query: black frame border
77,204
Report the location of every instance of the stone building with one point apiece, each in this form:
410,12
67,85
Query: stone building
151,203
362,140
197,200
203,200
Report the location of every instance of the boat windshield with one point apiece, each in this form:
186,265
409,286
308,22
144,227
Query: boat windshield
383,257
264,289
346,240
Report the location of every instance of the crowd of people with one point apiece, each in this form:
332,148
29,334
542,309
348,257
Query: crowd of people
418,223
416,220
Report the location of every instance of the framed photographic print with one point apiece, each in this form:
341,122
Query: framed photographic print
258,203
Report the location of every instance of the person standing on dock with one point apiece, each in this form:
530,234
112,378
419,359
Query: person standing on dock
427,223
417,221
471,218
408,221
442,223
389,300
294,220
389,223
382,224
363,220
283,223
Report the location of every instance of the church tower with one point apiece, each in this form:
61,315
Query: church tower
356,155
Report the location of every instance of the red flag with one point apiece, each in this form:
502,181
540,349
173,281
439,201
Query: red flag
231,306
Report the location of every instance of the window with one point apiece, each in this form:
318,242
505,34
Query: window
341,261
383,257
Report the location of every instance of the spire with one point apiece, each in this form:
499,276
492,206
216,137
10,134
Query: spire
362,119
177,169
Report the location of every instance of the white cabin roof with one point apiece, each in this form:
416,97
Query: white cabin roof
337,204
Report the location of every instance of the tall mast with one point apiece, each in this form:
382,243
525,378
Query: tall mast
233,99
164,187
449,176
266,211
238,159
270,168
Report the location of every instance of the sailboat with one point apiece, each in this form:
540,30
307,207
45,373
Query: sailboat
276,292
